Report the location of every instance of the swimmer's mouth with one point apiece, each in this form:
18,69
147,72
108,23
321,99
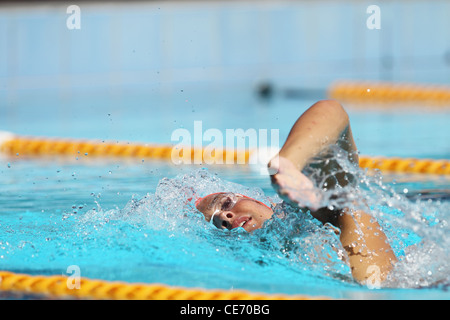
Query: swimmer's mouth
241,222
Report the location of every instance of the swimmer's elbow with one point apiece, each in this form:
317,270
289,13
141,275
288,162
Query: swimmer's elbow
332,108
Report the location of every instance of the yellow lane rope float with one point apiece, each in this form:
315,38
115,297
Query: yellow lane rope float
426,166
32,146
386,93
58,287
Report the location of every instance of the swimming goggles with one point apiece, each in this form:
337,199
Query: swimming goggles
225,202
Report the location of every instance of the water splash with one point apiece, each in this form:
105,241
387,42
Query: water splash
417,230
164,238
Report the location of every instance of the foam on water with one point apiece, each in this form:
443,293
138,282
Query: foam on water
417,230
161,237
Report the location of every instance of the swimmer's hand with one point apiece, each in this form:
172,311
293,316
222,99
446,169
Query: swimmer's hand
292,185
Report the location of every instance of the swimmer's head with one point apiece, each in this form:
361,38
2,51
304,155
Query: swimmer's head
228,210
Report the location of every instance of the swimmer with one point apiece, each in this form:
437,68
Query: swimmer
324,124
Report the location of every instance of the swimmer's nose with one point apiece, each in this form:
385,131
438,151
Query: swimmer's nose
224,220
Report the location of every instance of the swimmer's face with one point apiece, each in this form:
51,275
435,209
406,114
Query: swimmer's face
233,212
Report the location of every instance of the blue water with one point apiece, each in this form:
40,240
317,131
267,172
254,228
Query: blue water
121,227
121,219
135,116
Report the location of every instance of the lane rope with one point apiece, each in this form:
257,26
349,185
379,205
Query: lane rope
37,146
386,93
13,145
406,165
63,287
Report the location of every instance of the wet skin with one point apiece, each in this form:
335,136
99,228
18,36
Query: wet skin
247,213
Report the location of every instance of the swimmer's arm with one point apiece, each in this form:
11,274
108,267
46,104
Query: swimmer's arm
323,124
369,252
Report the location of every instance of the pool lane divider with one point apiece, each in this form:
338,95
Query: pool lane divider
41,146
388,93
14,145
57,286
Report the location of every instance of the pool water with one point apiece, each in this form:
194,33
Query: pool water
128,220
